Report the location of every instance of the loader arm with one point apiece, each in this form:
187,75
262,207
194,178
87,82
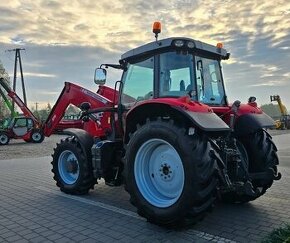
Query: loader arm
282,108
18,101
75,95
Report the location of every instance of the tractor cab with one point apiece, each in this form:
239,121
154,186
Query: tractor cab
21,125
173,68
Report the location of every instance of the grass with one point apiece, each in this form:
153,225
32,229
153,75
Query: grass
280,235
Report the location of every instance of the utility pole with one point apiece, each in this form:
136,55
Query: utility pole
36,106
18,59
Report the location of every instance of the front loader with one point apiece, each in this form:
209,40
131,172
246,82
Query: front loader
30,129
168,132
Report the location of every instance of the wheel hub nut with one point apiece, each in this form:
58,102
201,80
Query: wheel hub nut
165,171
72,166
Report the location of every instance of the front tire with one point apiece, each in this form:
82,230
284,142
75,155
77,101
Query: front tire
72,171
169,175
36,136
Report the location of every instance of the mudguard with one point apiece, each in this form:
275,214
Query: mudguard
250,123
208,122
203,119
85,139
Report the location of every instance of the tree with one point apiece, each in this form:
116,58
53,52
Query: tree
271,110
4,111
48,108
3,73
42,114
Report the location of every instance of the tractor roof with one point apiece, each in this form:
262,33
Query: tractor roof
168,44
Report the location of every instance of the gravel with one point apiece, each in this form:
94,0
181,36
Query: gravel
18,148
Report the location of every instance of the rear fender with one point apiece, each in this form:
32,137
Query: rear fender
250,123
86,141
206,121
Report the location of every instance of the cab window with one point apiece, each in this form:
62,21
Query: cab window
29,123
20,122
210,88
138,82
176,74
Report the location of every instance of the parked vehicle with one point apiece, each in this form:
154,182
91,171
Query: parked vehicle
284,121
169,133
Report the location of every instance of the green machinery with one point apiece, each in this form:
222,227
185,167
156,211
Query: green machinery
6,121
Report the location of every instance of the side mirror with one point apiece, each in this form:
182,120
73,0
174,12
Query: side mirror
100,76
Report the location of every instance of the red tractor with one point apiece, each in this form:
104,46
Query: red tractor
168,132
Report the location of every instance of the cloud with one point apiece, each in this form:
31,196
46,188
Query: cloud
42,75
270,83
46,68
67,39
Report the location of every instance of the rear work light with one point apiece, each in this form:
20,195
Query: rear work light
190,44
178,43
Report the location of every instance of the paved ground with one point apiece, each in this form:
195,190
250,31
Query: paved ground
33,210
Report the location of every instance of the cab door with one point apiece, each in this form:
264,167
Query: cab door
20,126
137,85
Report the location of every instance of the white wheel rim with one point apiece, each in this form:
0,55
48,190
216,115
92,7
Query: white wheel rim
159,173
36,136
68,167
3,139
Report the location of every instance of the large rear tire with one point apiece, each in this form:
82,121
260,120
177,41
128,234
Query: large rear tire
262,154
72,171
170,176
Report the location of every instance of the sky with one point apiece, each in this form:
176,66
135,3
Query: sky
66,40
